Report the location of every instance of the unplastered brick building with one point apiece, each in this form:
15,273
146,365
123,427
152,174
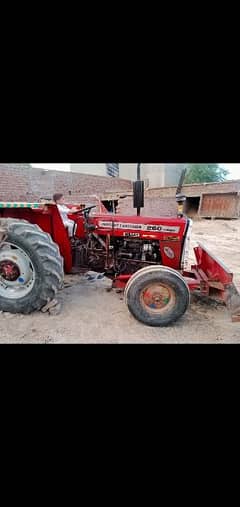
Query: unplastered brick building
20,182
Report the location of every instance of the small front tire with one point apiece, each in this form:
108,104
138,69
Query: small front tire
157,296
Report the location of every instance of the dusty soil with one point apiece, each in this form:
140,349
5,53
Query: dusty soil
90,314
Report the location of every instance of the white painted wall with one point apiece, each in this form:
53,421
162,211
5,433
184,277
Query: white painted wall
128,171
158,175
155,174
95,169
56,167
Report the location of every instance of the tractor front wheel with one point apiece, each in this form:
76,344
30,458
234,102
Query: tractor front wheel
157,296
31,268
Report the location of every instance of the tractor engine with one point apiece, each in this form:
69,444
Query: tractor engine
131,254
115,255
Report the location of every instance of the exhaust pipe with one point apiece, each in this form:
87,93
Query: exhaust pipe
138,192
180,198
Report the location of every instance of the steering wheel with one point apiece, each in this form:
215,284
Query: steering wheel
85,210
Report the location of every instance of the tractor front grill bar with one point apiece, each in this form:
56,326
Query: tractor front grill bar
33,205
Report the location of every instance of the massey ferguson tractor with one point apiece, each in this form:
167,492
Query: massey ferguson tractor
146,257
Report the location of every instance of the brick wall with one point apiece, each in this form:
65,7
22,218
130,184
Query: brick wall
154,207
20,183
162,201
197,189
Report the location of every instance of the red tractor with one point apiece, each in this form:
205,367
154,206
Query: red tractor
144,256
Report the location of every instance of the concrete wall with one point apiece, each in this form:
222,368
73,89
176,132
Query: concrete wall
128,171
173,173
157,175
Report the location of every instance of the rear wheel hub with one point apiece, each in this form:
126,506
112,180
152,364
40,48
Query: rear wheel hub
9,271
17,274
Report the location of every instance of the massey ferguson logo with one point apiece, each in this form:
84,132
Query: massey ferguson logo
120,225
169,252
138,227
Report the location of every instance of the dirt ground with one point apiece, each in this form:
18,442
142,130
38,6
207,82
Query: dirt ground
90,314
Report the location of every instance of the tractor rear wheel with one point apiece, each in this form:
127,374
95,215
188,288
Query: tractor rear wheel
157,295
31,267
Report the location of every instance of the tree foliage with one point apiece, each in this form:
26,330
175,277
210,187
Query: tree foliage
205,173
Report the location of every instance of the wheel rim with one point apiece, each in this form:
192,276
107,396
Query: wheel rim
17,273
157,298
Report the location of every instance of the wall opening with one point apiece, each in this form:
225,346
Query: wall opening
192,206
111,206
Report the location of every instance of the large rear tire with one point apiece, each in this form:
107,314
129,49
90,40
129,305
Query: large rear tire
31,267
157,296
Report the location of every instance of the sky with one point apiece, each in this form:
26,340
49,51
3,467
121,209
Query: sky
234,169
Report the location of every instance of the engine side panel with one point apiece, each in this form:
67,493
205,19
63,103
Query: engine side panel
169,232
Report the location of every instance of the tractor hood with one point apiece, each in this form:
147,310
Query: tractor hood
142,227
